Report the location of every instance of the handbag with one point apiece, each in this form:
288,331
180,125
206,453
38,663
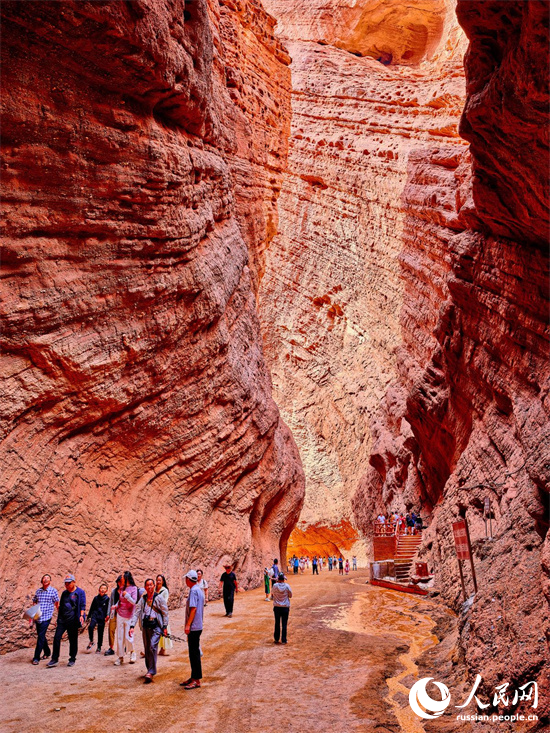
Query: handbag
33,613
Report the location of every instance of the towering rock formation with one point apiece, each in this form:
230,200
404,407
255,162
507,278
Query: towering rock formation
333,291
143,146
468,416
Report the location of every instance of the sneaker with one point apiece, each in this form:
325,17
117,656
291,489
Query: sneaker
283,642
109,653
51,663
148,679
119,661
36,661
266,599
90,645
276,641
187,682
229,615
71,663
98,650
133,658
192,685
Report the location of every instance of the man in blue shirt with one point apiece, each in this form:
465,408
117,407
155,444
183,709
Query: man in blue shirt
193,628
71,615
48,599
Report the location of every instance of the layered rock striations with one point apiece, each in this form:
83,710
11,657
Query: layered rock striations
143,147
468,417
332,292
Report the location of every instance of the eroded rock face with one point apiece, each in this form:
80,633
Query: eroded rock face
506,115
468,417
392,31
143,146
332,292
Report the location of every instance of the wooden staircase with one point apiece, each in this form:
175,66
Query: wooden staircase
407,546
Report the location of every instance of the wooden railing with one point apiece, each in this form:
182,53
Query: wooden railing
391,529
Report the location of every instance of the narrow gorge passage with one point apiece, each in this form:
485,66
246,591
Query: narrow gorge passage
349,646
272,269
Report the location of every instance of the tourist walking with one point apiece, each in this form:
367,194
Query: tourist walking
161,588
409,524
203,585
302,565
274,571
330,563
267,584
111,613
281,594
47,598
354,563
128,597
97,616
70,617
193,627
314,567
296,565
152,613
340,566
346,567
228,586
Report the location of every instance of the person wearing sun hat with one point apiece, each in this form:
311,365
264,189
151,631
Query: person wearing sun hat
229,586
193,628
70,617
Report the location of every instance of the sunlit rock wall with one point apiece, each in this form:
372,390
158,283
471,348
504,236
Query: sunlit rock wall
332,292
143,148
468,417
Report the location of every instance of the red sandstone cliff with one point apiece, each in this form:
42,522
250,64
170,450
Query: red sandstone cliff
468,417
143,146
332,291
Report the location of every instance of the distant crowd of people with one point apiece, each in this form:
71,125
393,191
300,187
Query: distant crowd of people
300,565
128,605
399,523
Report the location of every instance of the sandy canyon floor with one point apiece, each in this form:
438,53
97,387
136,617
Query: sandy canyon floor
347,667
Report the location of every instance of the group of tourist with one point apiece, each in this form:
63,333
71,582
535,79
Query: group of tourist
121,610
300,565
399,523
128,605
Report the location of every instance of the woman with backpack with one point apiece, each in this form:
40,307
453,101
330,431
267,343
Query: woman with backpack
152,613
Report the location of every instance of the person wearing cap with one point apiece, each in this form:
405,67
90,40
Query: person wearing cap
152,613
70,617
193,628
48,599
229,586
281,595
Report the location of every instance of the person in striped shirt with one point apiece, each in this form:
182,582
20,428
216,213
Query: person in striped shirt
47,598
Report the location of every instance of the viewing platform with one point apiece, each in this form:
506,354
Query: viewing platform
393,553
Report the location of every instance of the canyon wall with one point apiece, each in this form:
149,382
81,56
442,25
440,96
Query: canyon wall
332,292
143,146
468,416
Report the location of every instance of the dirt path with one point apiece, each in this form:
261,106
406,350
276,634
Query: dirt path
351,648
